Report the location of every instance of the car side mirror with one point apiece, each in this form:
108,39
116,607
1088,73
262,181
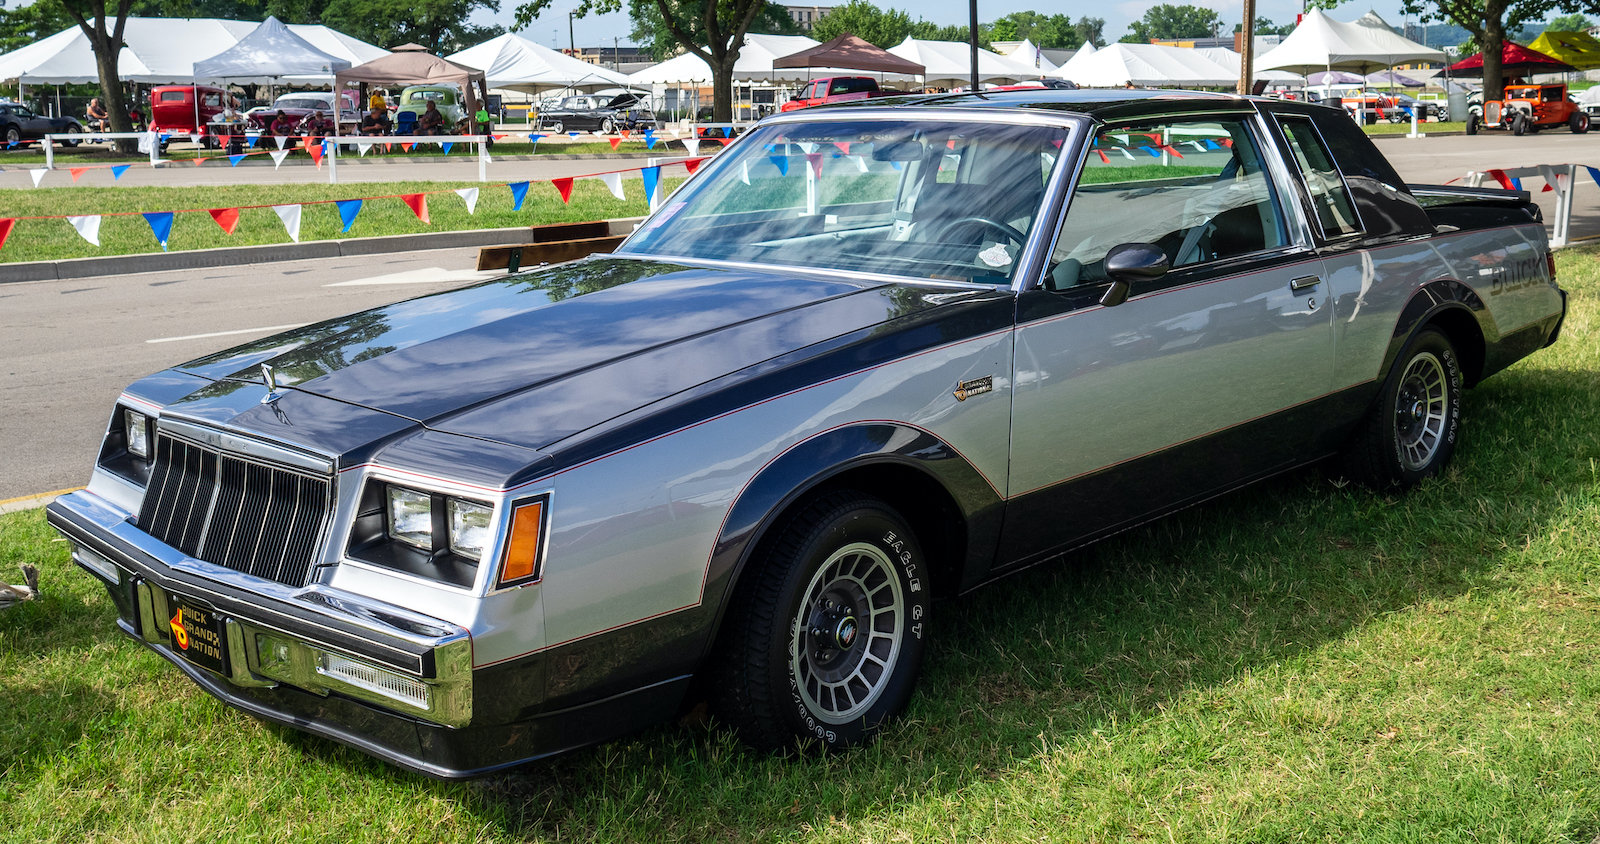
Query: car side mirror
1130,262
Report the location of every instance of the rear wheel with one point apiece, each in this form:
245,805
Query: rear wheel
824,635
557,127
13,135
1472,124
607,127
1578,123
1410,433
73,129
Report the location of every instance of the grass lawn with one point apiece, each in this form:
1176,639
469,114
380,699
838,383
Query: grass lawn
1386,128
1300,661
37,240
105,154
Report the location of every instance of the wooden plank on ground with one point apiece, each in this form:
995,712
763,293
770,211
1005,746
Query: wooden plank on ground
526,255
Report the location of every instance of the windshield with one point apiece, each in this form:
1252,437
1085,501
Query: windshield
301,103
930,199
423,96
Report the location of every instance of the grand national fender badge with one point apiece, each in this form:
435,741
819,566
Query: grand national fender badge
180,634
976,387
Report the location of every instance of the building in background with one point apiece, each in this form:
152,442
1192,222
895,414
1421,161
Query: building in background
807,16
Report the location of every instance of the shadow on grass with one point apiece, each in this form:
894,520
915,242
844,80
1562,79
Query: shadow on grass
1109,635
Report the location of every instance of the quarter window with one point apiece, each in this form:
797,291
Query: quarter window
1196,189
1328,194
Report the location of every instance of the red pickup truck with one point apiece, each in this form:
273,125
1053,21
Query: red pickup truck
836,89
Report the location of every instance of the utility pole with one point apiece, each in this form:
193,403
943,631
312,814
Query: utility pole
572,40
1247,50
973,8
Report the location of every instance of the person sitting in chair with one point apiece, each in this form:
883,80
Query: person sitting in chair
376,122
430,122
99,118
282,124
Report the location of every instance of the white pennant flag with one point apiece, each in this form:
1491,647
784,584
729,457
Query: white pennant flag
470,196
483,154
361,149
860,160
39,174
147,142
614,183
290,215
282,139
278,155
744,171
89,227
692,145
808,147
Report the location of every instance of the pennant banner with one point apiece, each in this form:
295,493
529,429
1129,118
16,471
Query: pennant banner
88,227
614,183
565,187
117,171
348,209
519,192
614,143
227,218
160,226
6,226
38,173
446,146
652,180
282,140
693,164
277,157
290,215
418,203
76,172
470,197
235,159
781,162
692,145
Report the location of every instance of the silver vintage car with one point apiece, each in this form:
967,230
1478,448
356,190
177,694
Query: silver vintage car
868,357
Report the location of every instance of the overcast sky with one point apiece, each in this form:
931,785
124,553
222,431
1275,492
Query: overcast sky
551,29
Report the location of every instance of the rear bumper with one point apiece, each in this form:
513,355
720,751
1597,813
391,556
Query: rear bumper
260,620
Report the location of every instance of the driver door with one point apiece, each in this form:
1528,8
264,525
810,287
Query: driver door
1204,378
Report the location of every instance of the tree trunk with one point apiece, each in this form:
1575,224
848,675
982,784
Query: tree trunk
1494,32
722,88
111,91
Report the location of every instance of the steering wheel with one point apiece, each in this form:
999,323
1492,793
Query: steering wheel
987,223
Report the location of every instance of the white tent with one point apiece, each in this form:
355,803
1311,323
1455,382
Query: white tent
949,63
1322,43
754,64
511,61
1027,53
269,52
1147,66
160,50
1232,61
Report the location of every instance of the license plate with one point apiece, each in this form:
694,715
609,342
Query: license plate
198,635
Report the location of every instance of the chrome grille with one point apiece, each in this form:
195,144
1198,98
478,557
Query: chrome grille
243,514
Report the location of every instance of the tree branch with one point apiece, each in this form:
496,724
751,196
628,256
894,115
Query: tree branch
677,31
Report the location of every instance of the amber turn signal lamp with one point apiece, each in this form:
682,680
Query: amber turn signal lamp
521,563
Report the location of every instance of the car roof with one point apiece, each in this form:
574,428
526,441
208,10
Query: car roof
1105,104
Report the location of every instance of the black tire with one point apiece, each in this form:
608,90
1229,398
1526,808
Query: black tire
557,127
1519,124
607,127
73,129
1578,123
1472,124
1410,432
13,135
824,634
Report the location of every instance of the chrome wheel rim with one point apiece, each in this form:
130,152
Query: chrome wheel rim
1420,411
845,638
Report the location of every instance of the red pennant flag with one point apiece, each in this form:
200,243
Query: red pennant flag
1500,176
198,161
418,203
815,160
692,165
5,230
407,146
227,218
388,147
1170,148
77,171
498,137
614,142
950,144
625,133
565,187
844,146
315,149
1103,156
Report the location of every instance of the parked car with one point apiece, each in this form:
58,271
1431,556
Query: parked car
598,114
303,104
1529,108
448,99
836,89
866,358
1405,104
173,107
18,124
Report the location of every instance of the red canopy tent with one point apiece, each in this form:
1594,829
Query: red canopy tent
851,53
1515,60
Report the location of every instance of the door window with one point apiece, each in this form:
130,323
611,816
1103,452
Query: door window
1329,195
213,100
1195,188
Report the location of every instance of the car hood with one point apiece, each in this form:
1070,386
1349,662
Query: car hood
530,359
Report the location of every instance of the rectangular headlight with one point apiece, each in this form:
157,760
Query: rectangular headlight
410,517
469,527
136,433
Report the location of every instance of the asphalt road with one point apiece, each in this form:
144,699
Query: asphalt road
67,348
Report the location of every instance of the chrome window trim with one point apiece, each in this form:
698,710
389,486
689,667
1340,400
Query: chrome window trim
715,263
264,452
1359,234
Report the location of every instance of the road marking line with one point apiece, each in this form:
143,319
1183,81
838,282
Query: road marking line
227,333
426,275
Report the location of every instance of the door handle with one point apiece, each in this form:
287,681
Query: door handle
1305,282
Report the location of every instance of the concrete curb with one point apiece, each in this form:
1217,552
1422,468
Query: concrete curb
68,268
31,502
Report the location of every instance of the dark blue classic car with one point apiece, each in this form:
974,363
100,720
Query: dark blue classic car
869,357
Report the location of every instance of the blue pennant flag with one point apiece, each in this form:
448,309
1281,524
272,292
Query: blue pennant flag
161,226
1516,184
771,147
117,171
652,178
1210,144
519,192
1593,174
348,209
1154,153
164,136
781,162
252,140
235,159
649,141
534,139
573,134
446,146
897,165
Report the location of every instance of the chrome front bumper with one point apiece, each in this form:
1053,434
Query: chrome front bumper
311,638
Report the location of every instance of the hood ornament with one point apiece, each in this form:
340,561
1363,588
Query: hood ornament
272,384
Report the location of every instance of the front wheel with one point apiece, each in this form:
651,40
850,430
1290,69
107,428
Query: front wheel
1410,433
557,127
73,129
1519,124
13,136
607,126
824,635
1472,124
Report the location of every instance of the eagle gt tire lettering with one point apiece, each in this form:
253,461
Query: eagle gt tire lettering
825,632
1411,431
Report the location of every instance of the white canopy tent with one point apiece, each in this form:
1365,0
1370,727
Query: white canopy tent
1233,61
512,61
753,65
1027,53
270,52
949,63
1322,43
162,51
1147,66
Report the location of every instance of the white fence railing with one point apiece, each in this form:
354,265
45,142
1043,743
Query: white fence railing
1562,177
152,143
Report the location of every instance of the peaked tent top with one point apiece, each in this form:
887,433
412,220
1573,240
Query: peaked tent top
1145,65
755,63
1028,53
1579,49
512,61
270,50
1515,60
850,52
951,62
1322,43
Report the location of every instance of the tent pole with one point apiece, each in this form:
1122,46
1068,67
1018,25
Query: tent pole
333,156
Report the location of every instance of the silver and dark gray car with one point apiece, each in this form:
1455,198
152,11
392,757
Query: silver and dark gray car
868,357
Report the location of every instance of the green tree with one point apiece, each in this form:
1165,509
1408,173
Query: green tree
1091,31
440,25
1266,27
879,27
1569,23
1055,32
36,21
1167,21
929,31
712,30
652,33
